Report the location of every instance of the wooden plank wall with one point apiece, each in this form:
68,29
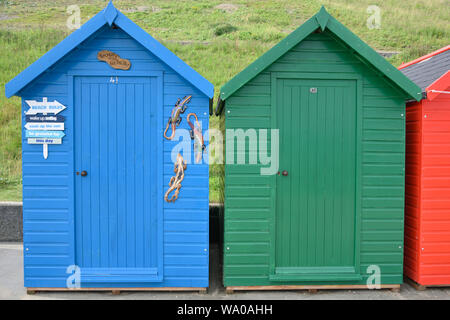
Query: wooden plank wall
47,193
248,211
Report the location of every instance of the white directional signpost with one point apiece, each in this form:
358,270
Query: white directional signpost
43,124
44,107
45,134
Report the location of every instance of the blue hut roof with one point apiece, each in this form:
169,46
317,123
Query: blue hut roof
109,15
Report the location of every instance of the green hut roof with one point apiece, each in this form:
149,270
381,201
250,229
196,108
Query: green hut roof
322,20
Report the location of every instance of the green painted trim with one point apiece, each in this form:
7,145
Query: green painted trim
375,59
322,18
328,275
273,181
268,58
359,175
316,274
315,75
325,21
316,277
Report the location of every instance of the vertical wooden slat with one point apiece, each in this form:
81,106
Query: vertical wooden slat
339,180
311,182
85,165
152,165
139,174
303,166
322,172
121,174
350,165
130,169
111,115
307,162
347,182
278,217
147,174
287,181
78,112
93,177
284,189
103,162
329,195
294,174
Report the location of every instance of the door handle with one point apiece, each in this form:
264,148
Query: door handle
284,173
83,173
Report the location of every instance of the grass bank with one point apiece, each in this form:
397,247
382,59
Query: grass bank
216,38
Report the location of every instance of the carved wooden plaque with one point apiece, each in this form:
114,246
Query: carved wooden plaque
114,60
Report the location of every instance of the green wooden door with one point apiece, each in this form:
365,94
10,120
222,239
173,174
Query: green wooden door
316,217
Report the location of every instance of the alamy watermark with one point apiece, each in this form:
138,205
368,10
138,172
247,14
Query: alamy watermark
374,280
73,281
374,20
250,146
74,20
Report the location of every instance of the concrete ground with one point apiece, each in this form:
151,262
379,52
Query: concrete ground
11,287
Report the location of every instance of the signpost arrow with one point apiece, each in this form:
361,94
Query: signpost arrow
44,107
45,126
44,134
40,117
45,142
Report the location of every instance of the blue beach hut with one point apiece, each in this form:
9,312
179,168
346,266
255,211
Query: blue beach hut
96,165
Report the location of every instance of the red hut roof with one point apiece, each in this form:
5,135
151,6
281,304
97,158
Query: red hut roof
428,69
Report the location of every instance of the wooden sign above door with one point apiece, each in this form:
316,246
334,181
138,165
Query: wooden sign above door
114,60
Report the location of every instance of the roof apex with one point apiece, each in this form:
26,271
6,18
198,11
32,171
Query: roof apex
110,13
322,18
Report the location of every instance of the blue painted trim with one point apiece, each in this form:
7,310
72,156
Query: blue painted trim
118,275
55,54
119,73
71,169
160,176
109,15
94,275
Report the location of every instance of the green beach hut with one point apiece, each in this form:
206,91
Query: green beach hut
332,215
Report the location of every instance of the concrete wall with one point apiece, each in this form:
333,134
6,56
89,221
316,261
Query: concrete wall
11,221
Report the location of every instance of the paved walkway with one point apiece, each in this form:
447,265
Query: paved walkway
11,287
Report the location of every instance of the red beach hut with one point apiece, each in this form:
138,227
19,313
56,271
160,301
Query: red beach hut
427,208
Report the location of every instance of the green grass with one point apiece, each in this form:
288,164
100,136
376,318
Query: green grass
216,43
11,191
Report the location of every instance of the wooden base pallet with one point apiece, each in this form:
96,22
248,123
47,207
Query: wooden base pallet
116,291
420,287
310,288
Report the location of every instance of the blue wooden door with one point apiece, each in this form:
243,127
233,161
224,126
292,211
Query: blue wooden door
118,236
